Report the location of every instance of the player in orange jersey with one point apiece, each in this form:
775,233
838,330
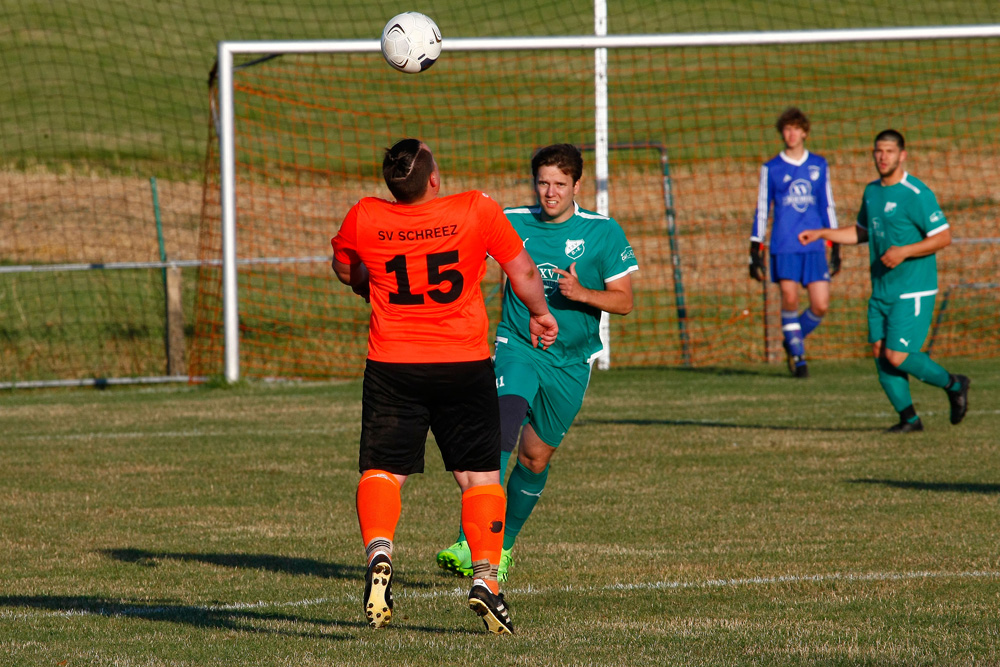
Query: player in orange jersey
420,260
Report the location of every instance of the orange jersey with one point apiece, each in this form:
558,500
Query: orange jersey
426,263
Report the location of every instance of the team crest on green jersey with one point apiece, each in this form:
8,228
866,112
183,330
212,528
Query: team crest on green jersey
574,248
550,279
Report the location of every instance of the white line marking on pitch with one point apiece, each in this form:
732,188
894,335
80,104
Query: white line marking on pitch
135,610
929,413
179,434
728,583
653,585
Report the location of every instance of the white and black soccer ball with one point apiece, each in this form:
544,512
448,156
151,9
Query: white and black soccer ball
411,42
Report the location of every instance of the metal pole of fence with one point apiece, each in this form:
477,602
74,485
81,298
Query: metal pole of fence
675,259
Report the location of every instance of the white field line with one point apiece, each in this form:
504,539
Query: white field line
194,433
876,415
923,412
790,418
125,610
53,437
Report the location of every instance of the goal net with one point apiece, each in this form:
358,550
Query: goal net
688,127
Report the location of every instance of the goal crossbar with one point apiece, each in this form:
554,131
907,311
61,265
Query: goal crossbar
570,42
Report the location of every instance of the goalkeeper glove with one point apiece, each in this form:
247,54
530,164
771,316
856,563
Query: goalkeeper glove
834,259
756,262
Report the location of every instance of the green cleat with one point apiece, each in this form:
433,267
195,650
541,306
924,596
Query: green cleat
457,558
506,560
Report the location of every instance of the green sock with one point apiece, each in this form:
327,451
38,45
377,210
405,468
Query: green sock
895,383
523,491
925,369
504,458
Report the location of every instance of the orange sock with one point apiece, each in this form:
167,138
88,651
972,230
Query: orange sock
378,503
482,520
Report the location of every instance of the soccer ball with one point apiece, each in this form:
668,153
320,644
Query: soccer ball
411,42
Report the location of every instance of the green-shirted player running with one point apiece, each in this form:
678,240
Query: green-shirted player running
904,226
586,263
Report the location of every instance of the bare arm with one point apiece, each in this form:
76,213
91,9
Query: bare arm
527,282
896,255
527,285
616,297
355,275
843,235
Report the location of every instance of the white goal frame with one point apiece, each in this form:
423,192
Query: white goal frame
598,42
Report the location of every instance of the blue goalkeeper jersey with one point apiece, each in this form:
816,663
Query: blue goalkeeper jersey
800,194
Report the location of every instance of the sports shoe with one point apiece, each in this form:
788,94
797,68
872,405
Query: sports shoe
796,363
378,591
906,427
491,608
457,558
506,560
959,399
789,357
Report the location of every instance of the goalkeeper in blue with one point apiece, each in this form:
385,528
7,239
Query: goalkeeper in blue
904,227
796,185
586,263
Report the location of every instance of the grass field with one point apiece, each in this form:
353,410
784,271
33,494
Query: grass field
709,517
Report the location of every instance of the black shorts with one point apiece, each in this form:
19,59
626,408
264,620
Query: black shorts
456,400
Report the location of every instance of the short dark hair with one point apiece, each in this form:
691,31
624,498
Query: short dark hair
891,135
565,156
792,116
406,167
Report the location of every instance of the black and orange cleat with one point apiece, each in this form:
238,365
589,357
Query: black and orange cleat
491,608
378,591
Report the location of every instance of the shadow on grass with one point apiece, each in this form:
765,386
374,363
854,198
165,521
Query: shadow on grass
267,562
722,371
719,371
712,424
225,617
950,487
219,617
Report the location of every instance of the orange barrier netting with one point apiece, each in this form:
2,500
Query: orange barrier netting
689,130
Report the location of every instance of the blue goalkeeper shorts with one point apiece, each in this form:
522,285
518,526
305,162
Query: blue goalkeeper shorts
801,267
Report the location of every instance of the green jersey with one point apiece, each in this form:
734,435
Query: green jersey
602,254
898,215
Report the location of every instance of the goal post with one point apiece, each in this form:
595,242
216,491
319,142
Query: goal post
480,109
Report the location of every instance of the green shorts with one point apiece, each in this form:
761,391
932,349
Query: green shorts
902,322
554,393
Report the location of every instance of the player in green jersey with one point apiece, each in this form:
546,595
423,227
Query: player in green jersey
586,263
904,226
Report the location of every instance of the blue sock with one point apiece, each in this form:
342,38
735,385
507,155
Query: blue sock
792,330
809,321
